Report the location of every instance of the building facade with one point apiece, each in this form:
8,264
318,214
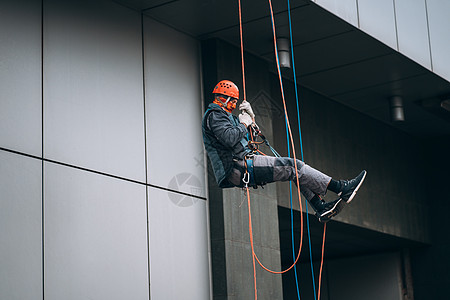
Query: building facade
106,191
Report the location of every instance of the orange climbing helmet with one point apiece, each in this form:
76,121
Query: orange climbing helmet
227,88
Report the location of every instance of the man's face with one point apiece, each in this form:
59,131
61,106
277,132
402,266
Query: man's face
231,104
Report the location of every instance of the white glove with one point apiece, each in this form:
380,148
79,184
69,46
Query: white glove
245,119
245,106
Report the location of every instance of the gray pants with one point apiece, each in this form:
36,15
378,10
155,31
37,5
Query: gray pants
268,169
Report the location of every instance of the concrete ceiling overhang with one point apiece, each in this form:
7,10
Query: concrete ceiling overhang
332,57
342,240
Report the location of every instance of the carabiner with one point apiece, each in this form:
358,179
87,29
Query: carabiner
246,179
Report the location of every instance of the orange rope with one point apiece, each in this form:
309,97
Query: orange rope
321,261
252,141
254,256
242,51
250,228
260,152
293,151
248,193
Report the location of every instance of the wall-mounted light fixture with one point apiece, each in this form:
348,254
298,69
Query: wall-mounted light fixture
438,106
396,106
445,104
284,55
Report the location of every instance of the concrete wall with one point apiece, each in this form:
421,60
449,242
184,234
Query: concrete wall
96,198
416,28
336,140
340,142
364,277
430,264
231,252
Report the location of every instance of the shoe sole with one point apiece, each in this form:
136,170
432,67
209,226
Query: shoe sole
356,189
326,216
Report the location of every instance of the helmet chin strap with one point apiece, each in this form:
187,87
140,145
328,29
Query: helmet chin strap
226,102
223,102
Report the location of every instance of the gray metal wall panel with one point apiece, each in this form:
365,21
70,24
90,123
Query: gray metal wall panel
21,227
179,260
93,94
346,9
20,76
173,109
377,18
412,30
95,236
439,26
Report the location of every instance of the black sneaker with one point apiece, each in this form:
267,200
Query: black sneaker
350,187
329,210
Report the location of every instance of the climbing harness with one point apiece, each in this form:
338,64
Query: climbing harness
249,175
254,147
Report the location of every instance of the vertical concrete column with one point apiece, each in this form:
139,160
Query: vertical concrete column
232,268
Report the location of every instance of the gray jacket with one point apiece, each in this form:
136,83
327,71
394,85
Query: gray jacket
225,139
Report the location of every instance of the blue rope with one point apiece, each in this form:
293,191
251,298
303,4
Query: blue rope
301,147
289,155
275,153
290,183
301,151
292,222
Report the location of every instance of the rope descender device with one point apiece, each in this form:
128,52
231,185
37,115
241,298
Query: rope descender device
254,145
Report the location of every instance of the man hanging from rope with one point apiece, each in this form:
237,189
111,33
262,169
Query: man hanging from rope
225,140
